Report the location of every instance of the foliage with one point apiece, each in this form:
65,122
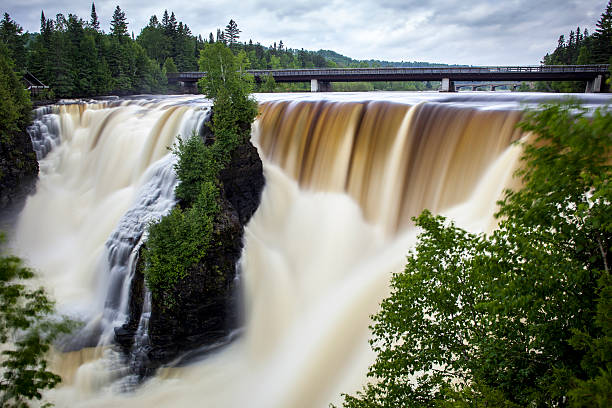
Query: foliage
15,105
11,36
26,333
520,317
181,239
268,84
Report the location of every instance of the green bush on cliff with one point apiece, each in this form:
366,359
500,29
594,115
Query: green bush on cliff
181,239
520,318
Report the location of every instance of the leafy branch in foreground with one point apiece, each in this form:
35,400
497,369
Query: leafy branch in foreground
521,317
27,331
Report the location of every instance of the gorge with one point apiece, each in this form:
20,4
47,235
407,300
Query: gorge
344,175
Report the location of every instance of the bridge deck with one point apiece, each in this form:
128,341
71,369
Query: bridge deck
500,73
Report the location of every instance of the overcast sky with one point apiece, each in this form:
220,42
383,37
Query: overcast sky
475,32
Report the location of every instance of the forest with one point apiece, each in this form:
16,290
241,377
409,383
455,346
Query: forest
76,58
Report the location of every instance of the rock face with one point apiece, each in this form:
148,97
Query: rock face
207,299
18,170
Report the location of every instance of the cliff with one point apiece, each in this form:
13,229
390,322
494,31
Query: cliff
207,300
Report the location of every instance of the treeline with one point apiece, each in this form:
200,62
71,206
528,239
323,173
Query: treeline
581,48
76,58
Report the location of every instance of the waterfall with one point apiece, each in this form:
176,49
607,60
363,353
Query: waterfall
44,131
99,188
344,175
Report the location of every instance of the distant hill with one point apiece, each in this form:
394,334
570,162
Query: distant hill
343,61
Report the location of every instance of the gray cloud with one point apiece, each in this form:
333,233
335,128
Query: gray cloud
478,32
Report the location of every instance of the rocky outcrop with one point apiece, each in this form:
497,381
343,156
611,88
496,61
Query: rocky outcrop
18,170
206,310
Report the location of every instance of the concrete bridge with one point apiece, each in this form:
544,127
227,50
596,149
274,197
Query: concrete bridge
320,78
491,86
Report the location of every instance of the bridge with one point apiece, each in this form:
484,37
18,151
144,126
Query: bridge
492,86
320,78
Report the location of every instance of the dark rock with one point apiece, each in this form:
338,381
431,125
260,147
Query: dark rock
243,181
202,314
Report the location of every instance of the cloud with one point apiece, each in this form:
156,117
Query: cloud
477,32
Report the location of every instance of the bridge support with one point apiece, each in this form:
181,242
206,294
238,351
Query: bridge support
188,87
447,85
319,86
594,85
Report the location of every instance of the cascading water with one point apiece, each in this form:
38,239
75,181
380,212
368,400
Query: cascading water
343,178
44,131
113,163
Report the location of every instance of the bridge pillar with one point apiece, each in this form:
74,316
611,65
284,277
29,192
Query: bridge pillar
447,85
594,85
319,86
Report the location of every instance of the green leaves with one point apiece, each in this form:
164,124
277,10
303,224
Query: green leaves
521,317
27,330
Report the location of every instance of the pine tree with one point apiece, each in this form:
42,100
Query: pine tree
232,33
119,26
11,36
94,23
165,19
602,49
211,39
154,22
172,25
220,36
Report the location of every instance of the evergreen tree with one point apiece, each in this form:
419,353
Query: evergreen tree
220,36
94,23
211,39
232,33
165,19
119,26
603,37
11,36
169,66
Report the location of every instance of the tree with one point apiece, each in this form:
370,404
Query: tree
119,26
169,66
603,36
26,333
520,317
94,23
232,33
11,36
